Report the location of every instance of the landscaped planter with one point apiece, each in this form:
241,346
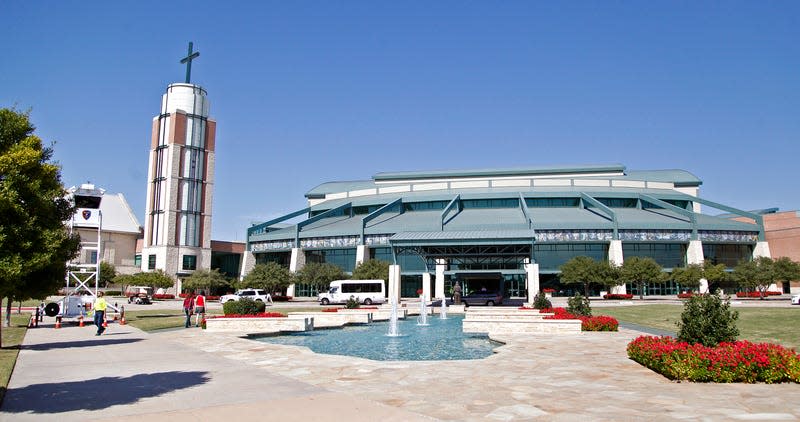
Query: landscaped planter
259,325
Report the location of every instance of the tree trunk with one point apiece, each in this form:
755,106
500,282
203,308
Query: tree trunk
1,330
641,291
7,322
586,289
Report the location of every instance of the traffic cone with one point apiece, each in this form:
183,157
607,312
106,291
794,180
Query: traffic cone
30,323
122,320
80,321
105,323
58,322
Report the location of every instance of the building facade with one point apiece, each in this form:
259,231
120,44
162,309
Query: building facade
505,229
177,235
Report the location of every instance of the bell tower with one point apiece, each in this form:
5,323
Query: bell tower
180,181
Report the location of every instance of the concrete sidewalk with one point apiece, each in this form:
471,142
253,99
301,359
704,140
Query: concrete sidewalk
126,374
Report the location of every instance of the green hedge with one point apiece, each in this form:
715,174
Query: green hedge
243,306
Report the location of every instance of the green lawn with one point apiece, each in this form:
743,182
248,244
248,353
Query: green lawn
773,325
12,338
163,319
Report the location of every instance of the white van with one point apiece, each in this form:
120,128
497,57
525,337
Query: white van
366,291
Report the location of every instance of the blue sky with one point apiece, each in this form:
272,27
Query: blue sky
307,92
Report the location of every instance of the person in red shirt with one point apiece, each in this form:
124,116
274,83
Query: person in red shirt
199,308
188,307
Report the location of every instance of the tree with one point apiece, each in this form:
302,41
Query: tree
319,275
639,270
271,277
714,274
689,276
108,272
786,270
579,270
757,274
372,269
155,279
34,242
205,279
124,280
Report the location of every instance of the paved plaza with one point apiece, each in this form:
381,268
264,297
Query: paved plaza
190,374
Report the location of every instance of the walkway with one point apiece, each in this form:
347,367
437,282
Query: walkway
190,374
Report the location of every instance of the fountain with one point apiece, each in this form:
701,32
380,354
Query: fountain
393,331
443,311
422,319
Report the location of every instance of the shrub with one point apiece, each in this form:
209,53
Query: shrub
588,323
541,302
579,305
739,361
113,293
352,303
707,320
243,306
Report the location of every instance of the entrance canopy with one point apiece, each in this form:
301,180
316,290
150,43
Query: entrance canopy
495,249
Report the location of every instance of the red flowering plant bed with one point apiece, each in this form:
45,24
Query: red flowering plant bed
163,297
525,308
591,323
756,294
280,298
686,295
331,310
261,315
740,361
549,290
618,296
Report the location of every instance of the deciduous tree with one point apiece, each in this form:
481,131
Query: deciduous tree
205,279
372,269
319,275
271,277
34,242
640,270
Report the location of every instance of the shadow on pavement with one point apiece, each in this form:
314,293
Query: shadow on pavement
80,343
98,393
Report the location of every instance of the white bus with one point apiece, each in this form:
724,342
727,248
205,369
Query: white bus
366,291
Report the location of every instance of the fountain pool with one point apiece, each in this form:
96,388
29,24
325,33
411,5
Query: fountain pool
441,339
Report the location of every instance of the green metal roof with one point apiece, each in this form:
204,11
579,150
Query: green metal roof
501,172
472,237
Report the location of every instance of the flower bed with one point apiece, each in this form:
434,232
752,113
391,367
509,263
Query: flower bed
525,308
331,310
163,297
592,323
261,315
618,296
739,361
549,290
756,294
685,295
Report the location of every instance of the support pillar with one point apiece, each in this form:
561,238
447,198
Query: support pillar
616,258
248,262
394,284
426,286
296,262
441,264
694,255
532,271
362,254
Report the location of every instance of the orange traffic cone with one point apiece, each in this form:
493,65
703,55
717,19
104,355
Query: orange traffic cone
122,320
58,322
30,323
80,321
105,323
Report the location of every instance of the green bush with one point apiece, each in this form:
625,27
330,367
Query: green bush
579,305
243,306
352,303
540,301
707,320
113,293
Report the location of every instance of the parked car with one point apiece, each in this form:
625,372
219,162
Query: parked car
140,295
255,294
482,298
795,299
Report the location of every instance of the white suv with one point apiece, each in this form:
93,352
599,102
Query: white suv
255,294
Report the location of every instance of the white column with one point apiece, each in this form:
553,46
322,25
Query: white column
296,262
616,258
248,262
532,271
694,255
441,264
426,285
394,283
362,254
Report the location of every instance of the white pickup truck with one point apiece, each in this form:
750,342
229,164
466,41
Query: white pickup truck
255,294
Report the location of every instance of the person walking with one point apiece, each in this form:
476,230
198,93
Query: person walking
199,308
188,308
100,312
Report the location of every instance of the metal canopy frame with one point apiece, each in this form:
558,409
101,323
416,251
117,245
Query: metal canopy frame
371,216
519,253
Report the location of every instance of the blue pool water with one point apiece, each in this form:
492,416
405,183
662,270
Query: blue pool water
442,339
